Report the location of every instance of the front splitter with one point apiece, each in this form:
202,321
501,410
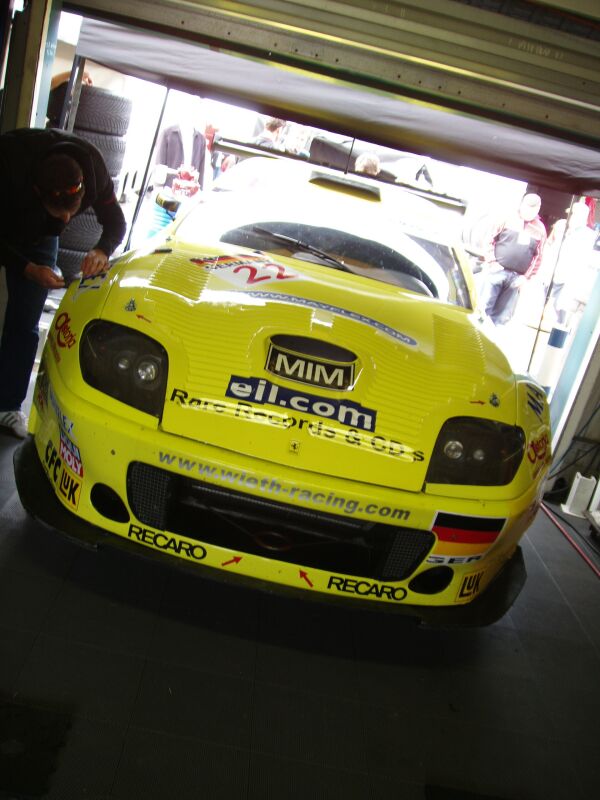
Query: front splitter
40,501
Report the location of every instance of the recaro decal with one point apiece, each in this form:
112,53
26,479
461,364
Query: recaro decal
366,588
163,541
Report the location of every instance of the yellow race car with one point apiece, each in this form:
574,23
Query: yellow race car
292,387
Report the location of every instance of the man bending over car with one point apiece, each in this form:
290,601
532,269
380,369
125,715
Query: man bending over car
47,177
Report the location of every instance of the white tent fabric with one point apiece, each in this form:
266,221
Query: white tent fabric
374,116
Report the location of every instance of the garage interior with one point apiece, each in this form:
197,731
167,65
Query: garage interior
120,677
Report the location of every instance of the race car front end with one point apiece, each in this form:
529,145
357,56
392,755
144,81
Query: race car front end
290,439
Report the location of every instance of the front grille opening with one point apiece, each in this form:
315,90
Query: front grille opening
258,526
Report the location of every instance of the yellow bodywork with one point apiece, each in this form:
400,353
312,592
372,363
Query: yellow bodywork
230,422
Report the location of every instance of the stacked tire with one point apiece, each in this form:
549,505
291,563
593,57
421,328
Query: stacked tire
103,119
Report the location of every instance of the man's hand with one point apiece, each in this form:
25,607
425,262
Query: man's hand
520,282
44,276
94,262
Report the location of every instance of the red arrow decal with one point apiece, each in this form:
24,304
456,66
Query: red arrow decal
141,316
234,560
477,402
305,577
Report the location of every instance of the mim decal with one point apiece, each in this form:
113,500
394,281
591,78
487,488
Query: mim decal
314,371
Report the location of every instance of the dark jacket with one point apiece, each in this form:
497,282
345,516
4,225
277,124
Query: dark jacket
23,218
169,151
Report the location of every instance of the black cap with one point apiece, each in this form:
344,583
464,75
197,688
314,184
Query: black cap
59,181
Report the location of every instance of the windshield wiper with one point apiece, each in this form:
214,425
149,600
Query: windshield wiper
297,244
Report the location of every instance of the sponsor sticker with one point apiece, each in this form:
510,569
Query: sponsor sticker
470,585
69,452
65,483
247,270
167,542
66,425
65,338
341,312
364,588
313,371
261,391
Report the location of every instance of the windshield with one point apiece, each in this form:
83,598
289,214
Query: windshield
359,233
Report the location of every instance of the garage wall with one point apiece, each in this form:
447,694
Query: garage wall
450,53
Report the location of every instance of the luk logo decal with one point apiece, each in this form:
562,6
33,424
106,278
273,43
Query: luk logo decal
470,585
314,371
64,335
63,479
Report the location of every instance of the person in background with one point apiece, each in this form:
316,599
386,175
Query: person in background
513,257
47,177
368,163
568,258
271,133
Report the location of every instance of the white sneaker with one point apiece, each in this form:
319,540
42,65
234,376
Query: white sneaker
14,422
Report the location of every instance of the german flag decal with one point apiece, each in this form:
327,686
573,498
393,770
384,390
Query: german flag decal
455,529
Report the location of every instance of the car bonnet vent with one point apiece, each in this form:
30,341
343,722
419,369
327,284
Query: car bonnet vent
344,184
314,348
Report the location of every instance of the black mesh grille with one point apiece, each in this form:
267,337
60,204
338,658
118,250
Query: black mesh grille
249,524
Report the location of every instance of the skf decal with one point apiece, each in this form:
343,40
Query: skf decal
470,585
366,588
70,455
313,371
65,337
258,390
65,482
536,400
538,448
162,541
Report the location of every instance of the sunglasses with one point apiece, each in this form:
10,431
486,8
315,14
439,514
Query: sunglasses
70,191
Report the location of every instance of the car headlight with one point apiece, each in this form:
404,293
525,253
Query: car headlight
125,364
476,452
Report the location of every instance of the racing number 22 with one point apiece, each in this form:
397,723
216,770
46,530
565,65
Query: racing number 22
256,273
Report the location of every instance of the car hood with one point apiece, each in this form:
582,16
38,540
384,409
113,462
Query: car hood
295,363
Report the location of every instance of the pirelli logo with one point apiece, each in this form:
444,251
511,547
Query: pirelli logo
310,370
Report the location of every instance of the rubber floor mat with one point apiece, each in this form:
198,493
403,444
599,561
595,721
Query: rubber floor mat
30,740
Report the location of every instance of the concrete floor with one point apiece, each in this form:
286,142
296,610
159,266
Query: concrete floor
121,678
